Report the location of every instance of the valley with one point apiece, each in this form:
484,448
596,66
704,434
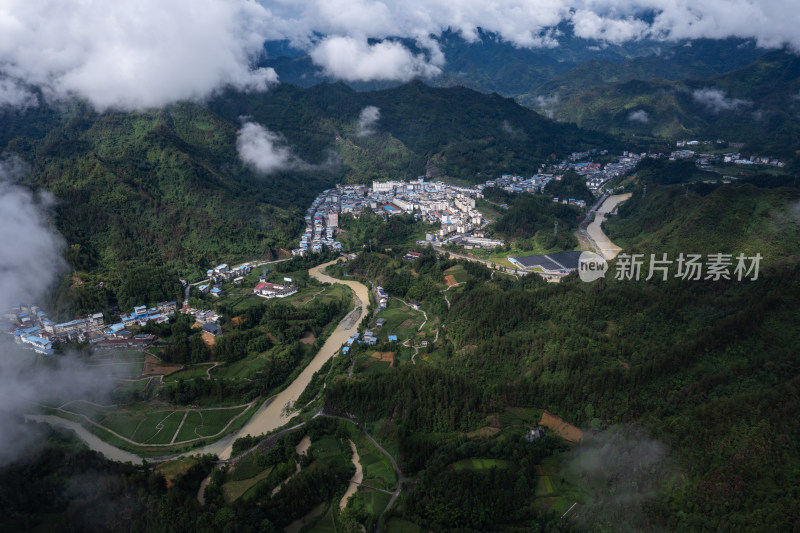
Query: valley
319,268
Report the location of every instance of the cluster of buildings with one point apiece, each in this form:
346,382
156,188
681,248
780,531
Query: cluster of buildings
595,174
450,206
732,157
737,159
220,274
30,326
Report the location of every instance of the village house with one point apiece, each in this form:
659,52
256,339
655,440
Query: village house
273,290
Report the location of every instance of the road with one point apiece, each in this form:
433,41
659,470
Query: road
474,259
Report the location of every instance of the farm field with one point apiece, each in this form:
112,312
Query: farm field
378,471
455,274
145,426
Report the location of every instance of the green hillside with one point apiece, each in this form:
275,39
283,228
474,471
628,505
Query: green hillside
684,389
167,189
696,59
729,219
755,104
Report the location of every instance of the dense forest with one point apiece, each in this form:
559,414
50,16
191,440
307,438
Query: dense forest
706,368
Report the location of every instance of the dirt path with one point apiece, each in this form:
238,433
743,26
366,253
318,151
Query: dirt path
185,414
419,310
201,493
355,481
602,243
303,445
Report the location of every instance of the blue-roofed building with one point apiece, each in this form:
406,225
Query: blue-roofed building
392,338
350,341
39,344
356,335
346,350
216,292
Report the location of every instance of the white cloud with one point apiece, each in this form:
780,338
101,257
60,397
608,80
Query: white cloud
30,261
29,267
546,105
133,54
265,151
715,100
367,120
13,94
354,59
640,115
590,25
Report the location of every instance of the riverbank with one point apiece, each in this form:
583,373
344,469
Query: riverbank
273,413
604,246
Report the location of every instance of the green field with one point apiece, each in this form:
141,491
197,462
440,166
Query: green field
398,525
374,502
480,464
458,273
378,471
157,428
190,372
401,320
132,386
187,431
235,489
147,426
329,449
517,417
118,363
214,420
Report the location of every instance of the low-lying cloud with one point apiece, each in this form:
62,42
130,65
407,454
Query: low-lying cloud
354,59
640,115
716,100
265,151
29,268
368,120
546,105
622,470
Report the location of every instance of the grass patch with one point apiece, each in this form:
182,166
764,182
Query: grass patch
192,372
214,420
158,427
475,463
378,471
193,419
175,468
374,502
233,490
399,525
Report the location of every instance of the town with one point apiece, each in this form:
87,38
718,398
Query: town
449,208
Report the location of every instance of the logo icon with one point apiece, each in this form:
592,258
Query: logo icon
591,266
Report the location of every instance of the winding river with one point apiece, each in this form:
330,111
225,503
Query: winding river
607,249
271,415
